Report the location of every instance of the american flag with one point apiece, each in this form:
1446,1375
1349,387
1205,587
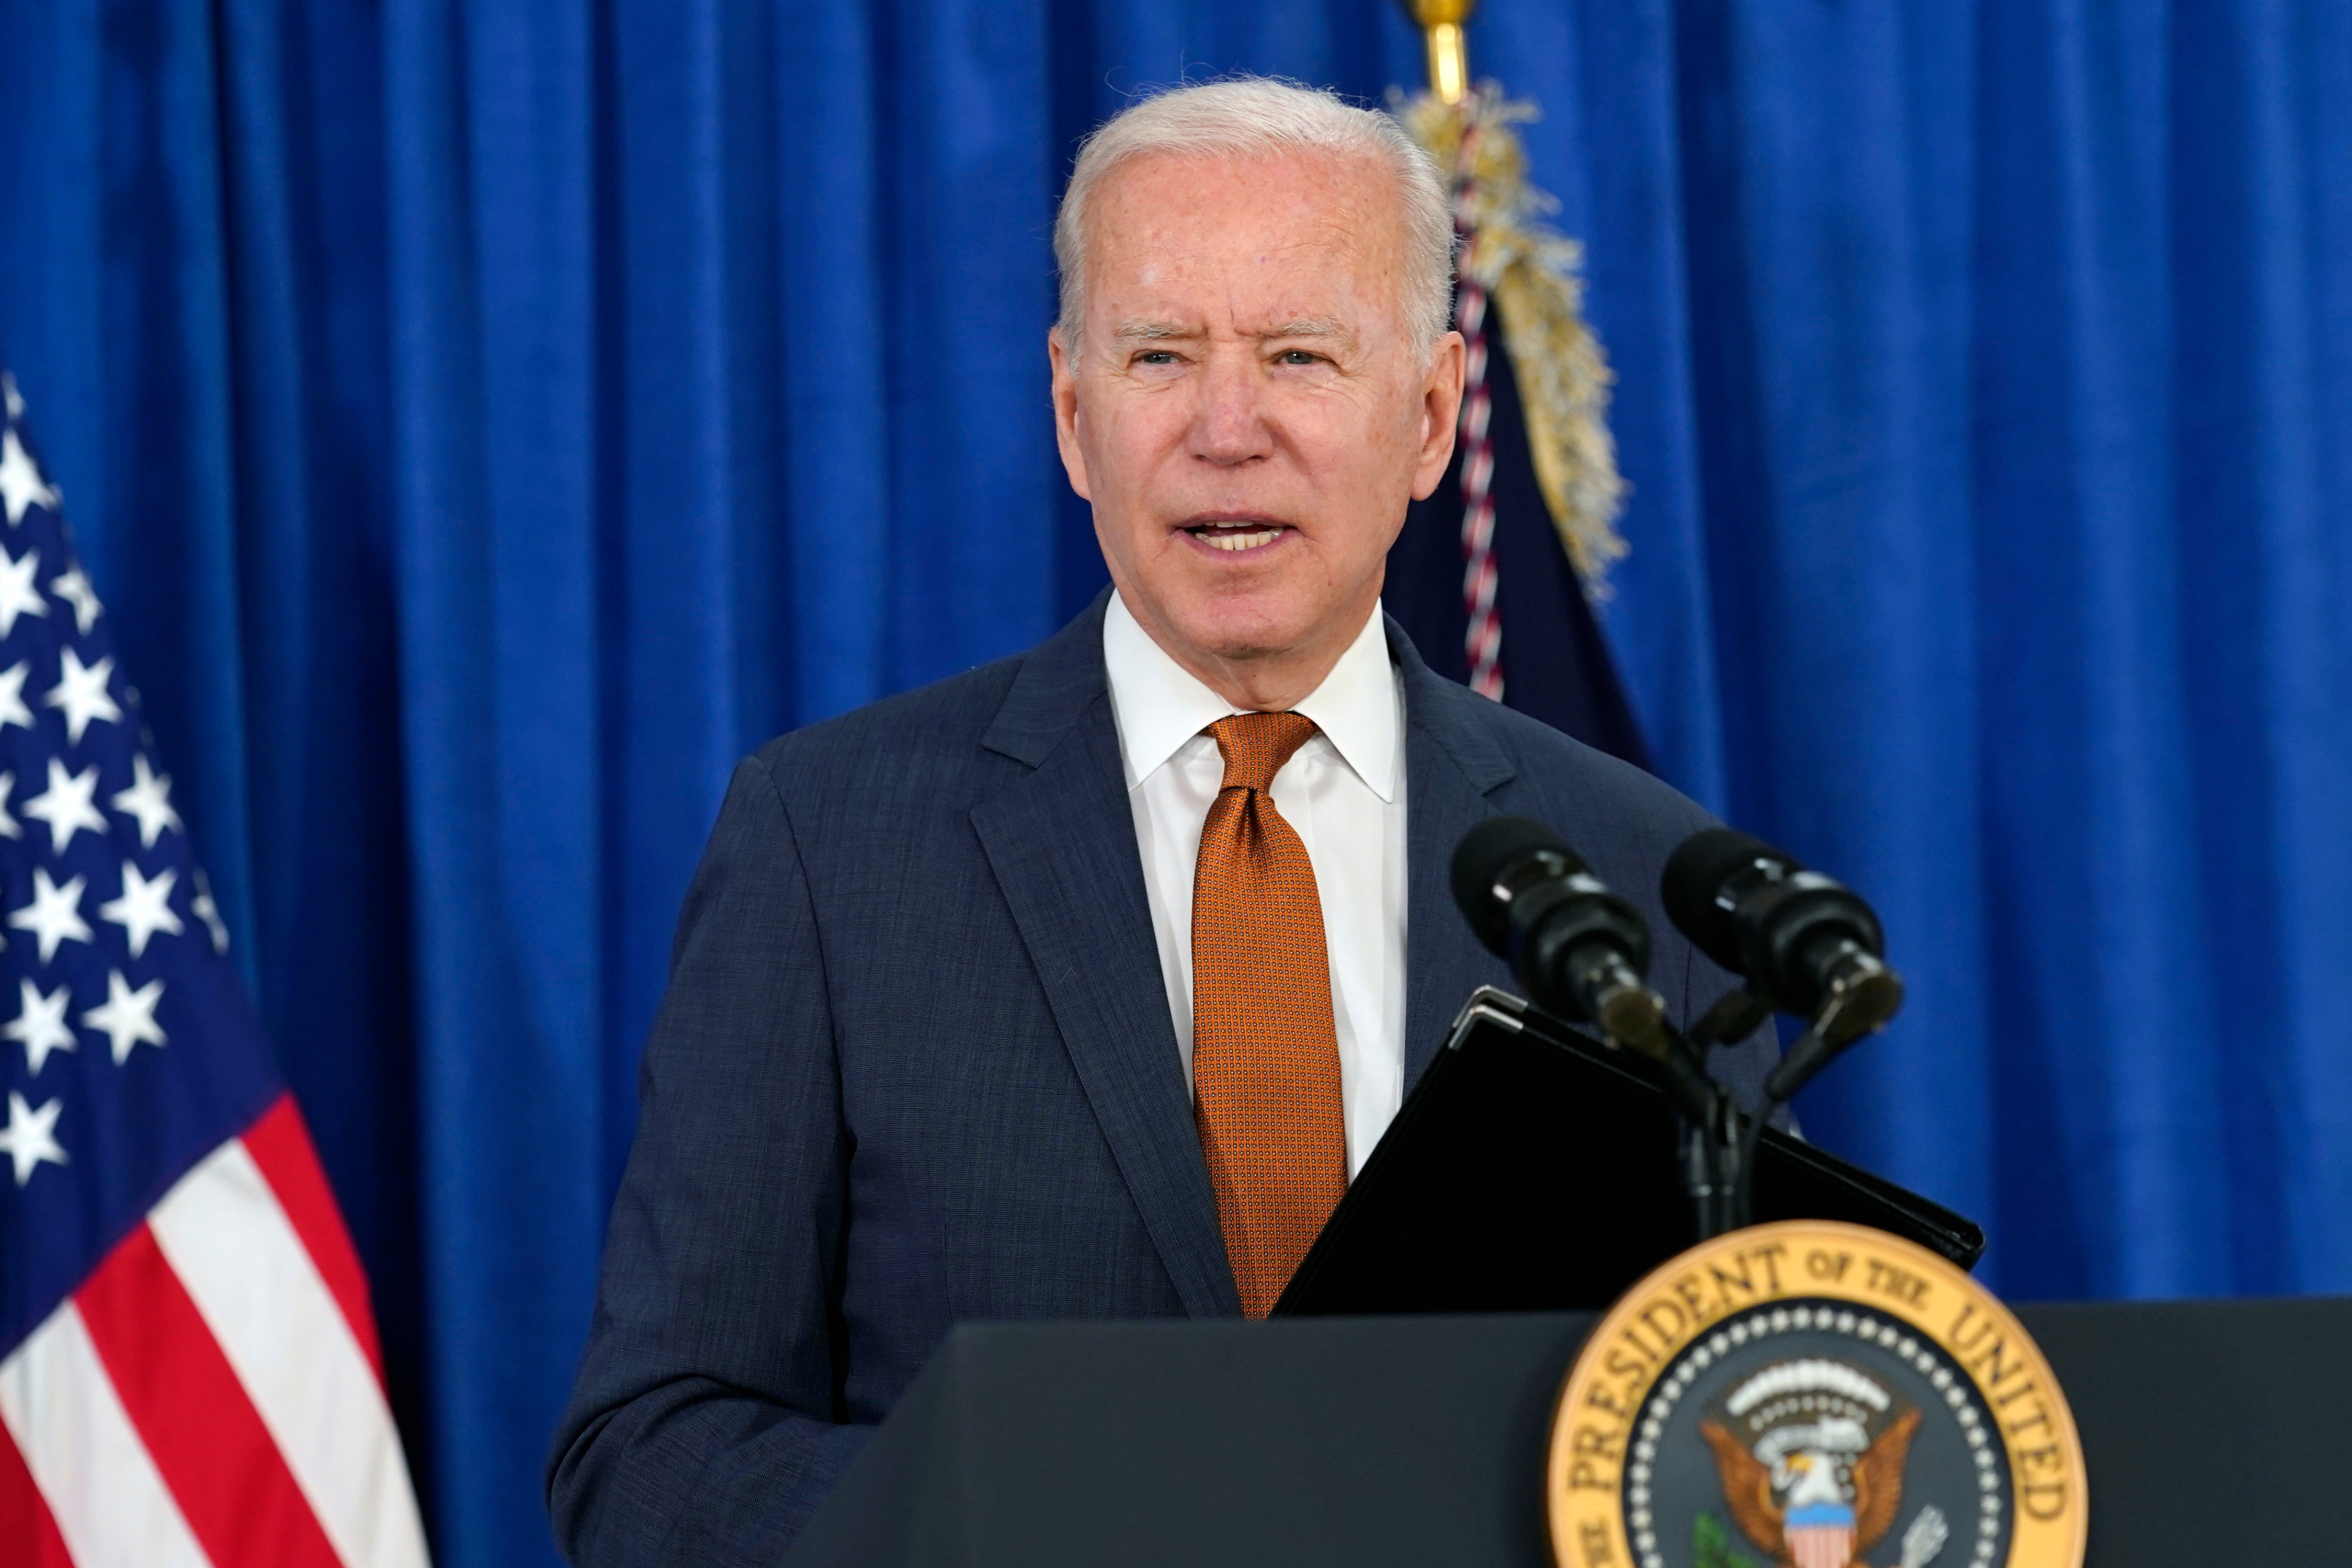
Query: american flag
188,1364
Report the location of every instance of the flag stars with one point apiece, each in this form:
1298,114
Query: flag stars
54,914
17,594
65,806
81,692
204,910
40,1024
21,485
74,589
12,695
149,799
144,907
128,1017
30,1137
9,826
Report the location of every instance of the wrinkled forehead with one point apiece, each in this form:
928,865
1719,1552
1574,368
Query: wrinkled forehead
1166,223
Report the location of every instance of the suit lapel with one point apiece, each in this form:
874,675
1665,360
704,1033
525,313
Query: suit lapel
1061,840
1452,764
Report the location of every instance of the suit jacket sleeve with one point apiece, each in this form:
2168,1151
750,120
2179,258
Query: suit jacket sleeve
703,1425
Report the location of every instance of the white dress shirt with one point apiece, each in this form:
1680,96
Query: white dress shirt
1342,793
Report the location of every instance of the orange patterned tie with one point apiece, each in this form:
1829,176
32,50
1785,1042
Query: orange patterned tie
1265,1062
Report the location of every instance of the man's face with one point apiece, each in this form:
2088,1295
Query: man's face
1248,414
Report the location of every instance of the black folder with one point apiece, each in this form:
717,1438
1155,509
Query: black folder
1535,1168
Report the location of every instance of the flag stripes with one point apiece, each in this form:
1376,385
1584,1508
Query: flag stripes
288,1337
22,1506
210,1396
189,1410
281,1146
110,1505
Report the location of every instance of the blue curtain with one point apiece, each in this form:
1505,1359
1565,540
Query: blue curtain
486,421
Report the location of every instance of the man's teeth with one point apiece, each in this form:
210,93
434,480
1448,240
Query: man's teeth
1249,540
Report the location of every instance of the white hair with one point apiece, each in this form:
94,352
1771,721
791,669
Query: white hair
1242,117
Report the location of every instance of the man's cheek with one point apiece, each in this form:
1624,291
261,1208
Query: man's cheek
1140,434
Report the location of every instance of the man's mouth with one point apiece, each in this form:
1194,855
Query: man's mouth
1250,534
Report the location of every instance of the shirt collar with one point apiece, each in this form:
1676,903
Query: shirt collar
1160,705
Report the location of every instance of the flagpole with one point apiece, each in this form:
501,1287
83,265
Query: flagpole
1441,22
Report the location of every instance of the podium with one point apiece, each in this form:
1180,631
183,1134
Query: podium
1351,1429
2212,1432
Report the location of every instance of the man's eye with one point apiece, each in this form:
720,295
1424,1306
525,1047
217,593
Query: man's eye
1299,356
1155,356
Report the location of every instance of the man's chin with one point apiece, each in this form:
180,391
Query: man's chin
1245,632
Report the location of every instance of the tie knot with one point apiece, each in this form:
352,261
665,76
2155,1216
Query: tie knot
1255,745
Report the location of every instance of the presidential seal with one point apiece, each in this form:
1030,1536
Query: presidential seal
1811,1395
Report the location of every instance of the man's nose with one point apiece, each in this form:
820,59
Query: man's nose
1229,426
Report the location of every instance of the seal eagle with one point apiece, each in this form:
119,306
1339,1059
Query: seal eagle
1762,1492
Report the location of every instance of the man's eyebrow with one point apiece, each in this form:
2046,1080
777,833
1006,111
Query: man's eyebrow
1312,327
1137,329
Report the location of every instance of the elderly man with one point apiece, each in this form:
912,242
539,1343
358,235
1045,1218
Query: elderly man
1078,987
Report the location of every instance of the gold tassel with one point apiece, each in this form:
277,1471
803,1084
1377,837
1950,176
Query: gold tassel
1535,277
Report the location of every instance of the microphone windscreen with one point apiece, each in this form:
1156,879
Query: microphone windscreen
1485,852
1695,872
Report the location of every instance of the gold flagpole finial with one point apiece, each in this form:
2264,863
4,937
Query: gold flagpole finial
1449,57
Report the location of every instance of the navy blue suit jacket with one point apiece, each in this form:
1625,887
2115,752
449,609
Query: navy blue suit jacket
915,1065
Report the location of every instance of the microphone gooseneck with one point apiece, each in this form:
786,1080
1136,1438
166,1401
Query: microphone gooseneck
1583,954
1807,944
1582,951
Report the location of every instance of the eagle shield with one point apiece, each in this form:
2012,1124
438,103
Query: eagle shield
1810,1453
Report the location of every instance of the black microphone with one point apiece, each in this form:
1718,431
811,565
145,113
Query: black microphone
1807,944
1580,950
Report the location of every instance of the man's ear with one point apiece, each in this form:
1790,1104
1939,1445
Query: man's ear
1441,413
1065,411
